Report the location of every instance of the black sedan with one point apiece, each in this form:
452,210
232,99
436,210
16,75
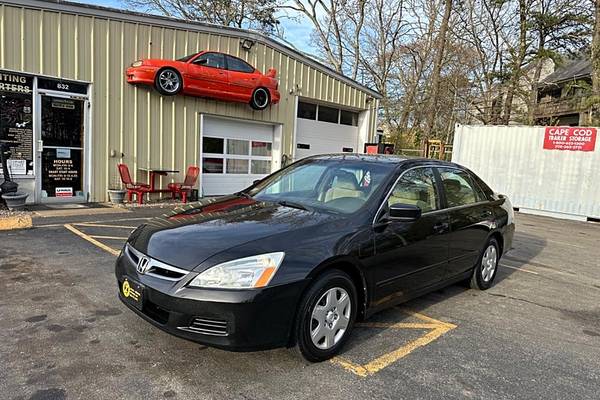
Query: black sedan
298,257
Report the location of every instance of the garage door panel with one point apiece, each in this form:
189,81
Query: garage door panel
324,137
235,148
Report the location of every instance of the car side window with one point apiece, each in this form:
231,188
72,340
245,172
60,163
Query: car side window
416,187
235,64
459,188
213,60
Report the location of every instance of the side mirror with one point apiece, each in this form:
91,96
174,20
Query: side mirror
404,212
201,61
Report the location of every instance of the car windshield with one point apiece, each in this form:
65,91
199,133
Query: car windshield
186,58
339,186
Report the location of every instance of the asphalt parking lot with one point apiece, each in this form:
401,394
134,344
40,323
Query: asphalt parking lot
535,334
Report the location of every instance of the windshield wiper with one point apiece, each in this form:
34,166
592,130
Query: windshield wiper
292,204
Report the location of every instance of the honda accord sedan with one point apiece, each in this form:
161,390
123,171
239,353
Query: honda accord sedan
297,258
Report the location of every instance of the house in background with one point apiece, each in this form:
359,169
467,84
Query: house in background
562,96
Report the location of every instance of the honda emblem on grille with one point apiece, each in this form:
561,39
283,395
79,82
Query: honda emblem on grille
143,265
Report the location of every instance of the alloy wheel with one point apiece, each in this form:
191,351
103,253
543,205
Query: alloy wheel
261,98
489,261
169,81
330,318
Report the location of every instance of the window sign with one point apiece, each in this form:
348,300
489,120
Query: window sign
61,177
16,120
63,153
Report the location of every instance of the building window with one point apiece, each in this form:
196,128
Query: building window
348,118
239,147
212,165
235,166
212,145
307,110
328,114
261,149
236,156
260,167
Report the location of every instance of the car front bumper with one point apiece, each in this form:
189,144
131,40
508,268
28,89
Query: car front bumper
144,75
237,320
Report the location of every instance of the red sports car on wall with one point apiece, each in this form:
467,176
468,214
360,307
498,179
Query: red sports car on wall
208,74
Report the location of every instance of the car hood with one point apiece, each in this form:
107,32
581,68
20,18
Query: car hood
186,238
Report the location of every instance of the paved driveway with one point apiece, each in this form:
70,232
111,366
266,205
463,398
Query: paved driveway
535,334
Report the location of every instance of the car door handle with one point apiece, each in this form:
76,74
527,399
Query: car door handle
441,227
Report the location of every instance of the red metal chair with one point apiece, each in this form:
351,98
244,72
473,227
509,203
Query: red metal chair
139,189
183,189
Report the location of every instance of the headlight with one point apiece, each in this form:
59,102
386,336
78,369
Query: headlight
244,273
137,63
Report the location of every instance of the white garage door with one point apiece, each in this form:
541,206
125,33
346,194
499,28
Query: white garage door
234,154
321,129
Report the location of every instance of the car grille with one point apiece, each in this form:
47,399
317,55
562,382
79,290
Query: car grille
207,326
155,268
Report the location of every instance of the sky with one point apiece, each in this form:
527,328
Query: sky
295,32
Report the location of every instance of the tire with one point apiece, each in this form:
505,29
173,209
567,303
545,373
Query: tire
168,82
487,266
260,99
317,315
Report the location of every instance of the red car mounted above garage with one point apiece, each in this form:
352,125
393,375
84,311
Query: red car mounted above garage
208,74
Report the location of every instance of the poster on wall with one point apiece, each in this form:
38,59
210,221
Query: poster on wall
16,120
570,138
61,175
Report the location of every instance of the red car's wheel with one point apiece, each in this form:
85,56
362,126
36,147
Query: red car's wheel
260,99
168,82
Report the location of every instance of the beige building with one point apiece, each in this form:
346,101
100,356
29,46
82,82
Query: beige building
70,116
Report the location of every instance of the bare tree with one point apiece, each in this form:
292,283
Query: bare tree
595,112
437,68
254,14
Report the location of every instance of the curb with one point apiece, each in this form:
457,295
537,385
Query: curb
19,222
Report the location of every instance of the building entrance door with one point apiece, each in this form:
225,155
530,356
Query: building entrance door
62,143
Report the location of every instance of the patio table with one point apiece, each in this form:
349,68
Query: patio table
153,172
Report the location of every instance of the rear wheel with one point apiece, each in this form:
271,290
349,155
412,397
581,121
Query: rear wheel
168,82
326,316
487,266
260,99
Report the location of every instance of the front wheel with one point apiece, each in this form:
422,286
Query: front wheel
168,82
260,99
326,316
487,266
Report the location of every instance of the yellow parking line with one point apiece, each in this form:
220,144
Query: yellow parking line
92,240
88,224
438,328
519,269
108,237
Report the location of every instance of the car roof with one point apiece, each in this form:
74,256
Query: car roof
385,159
